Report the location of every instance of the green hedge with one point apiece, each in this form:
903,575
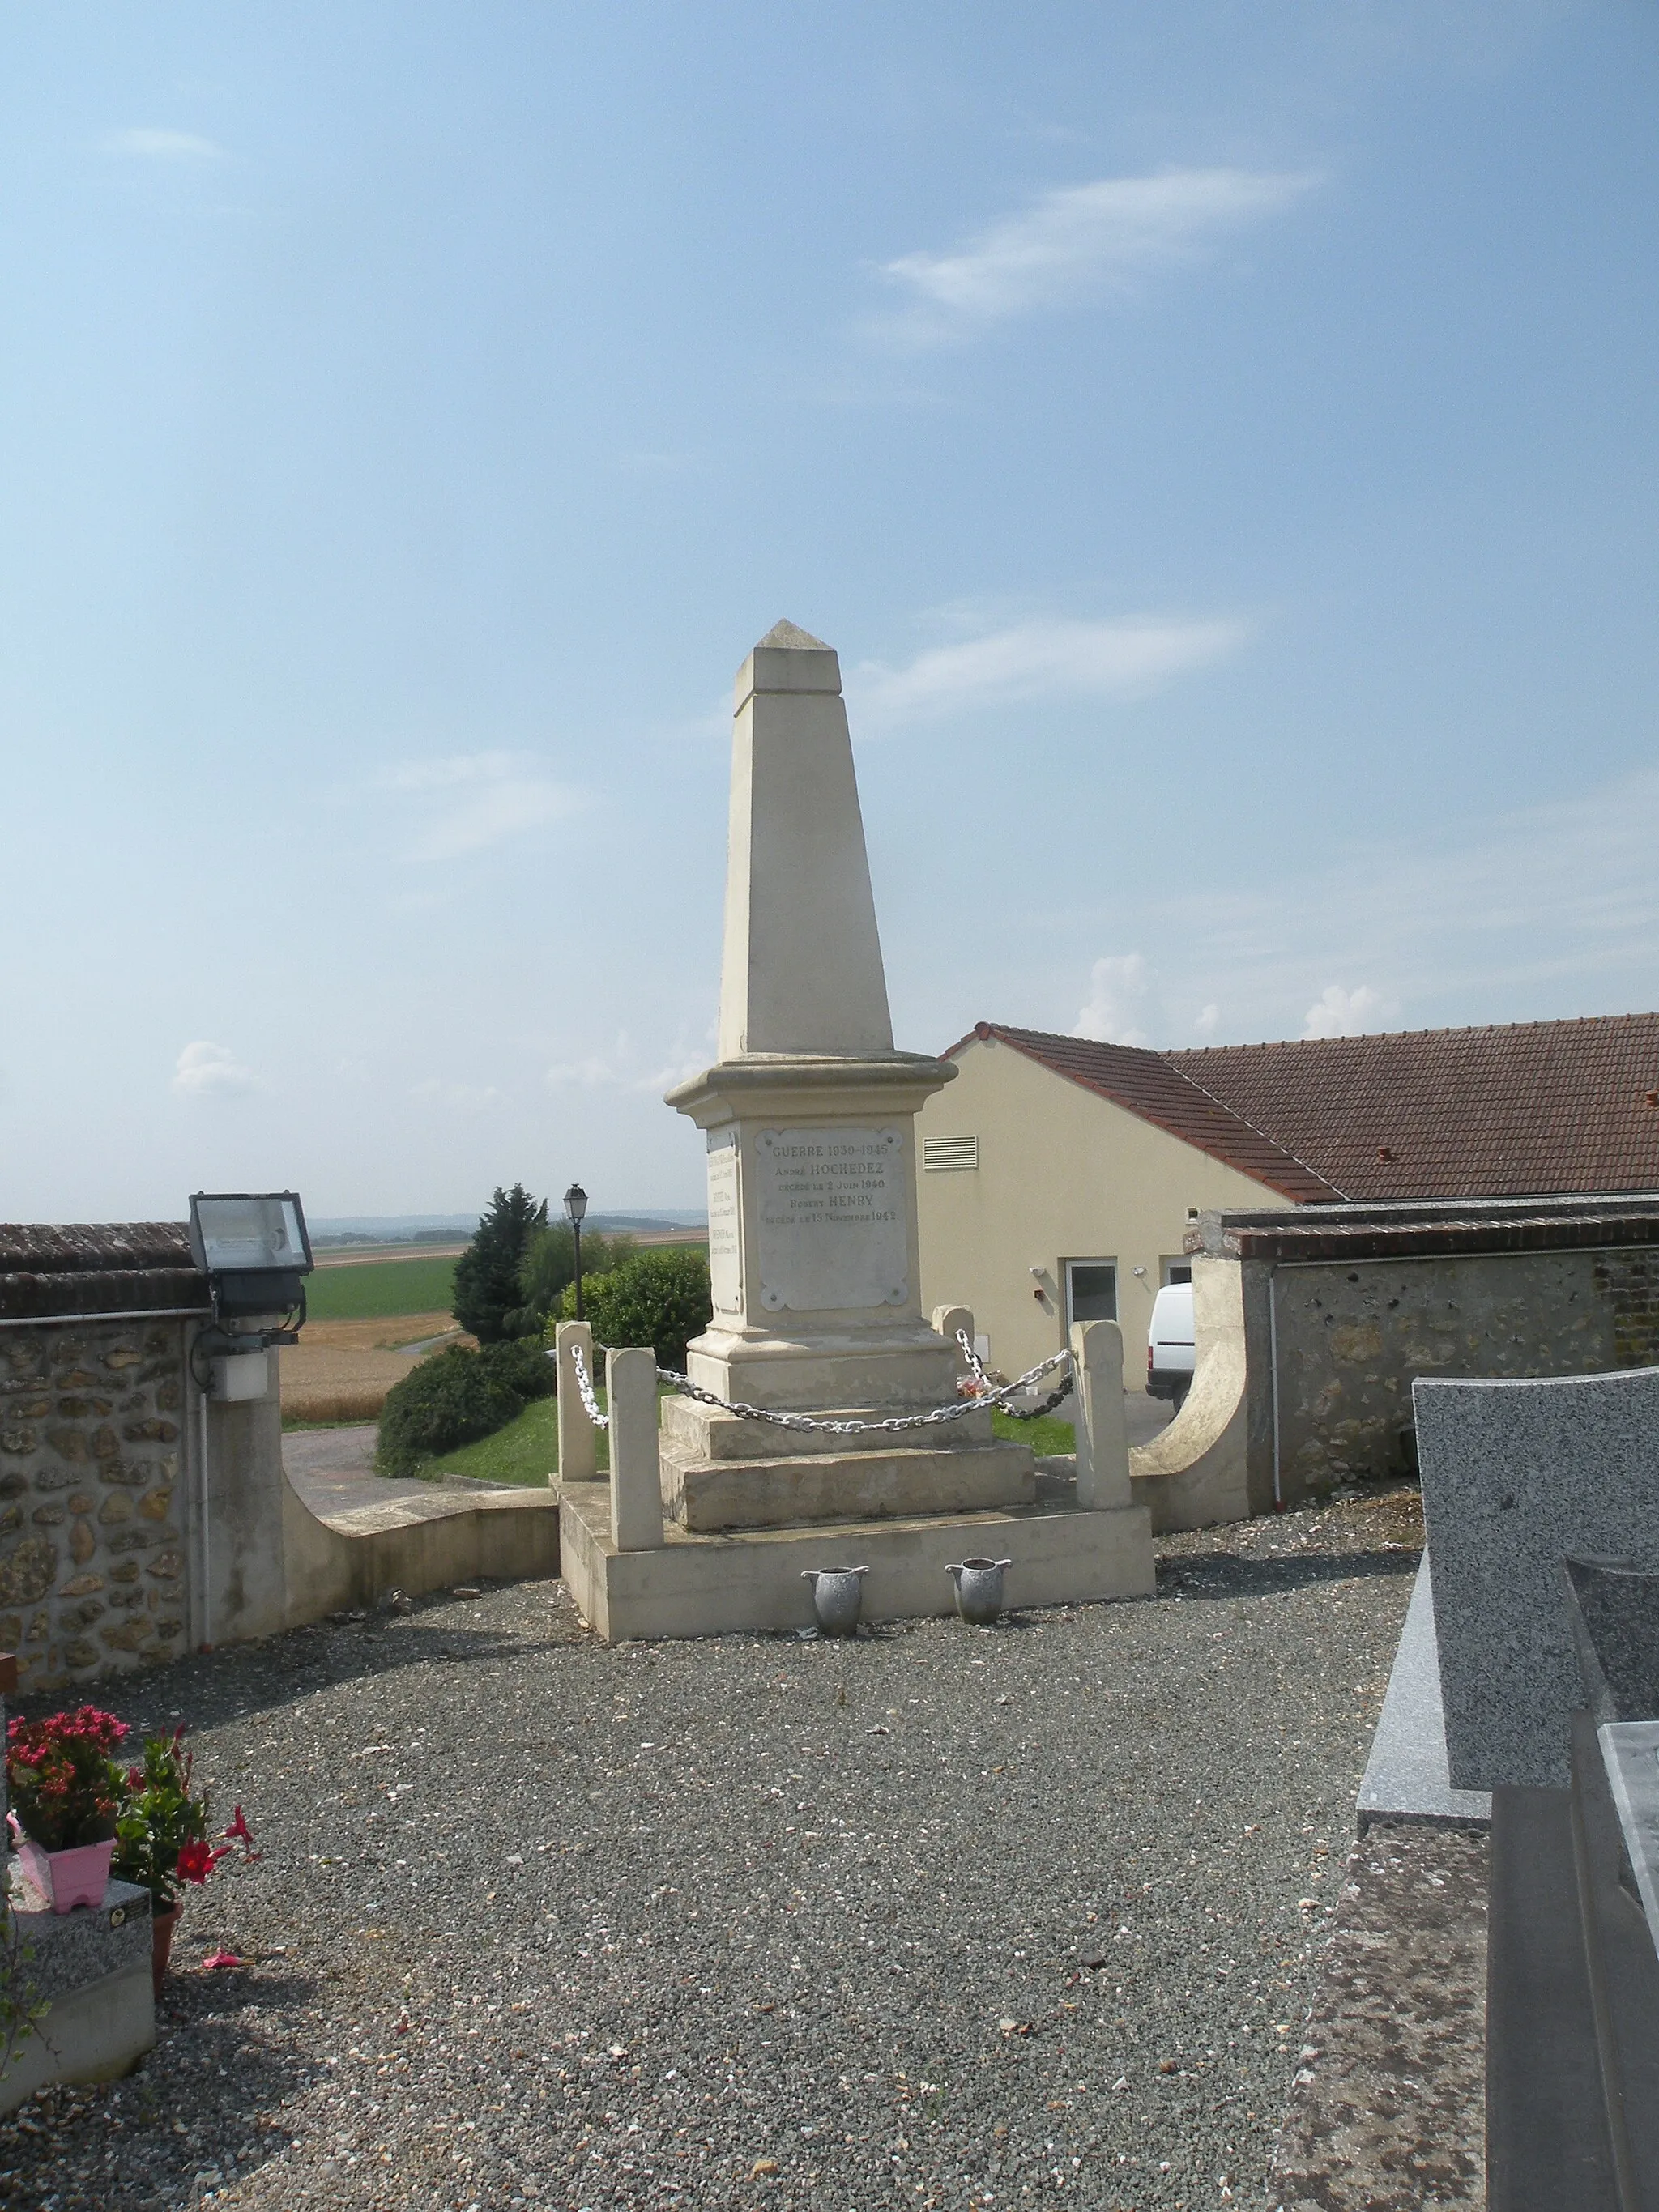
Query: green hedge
456,1397
660,1298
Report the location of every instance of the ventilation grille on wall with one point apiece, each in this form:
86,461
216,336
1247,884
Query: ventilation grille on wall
938,1153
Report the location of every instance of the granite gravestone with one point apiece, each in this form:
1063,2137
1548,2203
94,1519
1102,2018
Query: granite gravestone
1517,1477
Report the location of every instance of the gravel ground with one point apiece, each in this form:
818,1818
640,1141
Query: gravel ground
942,1917
1388,2109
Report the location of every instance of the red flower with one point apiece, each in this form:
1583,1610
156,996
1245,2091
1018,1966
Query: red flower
196,1861
240,1833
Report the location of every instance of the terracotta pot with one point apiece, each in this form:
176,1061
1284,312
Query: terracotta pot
162,1926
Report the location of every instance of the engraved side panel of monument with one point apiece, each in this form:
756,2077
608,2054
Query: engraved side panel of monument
830,1213
725,1242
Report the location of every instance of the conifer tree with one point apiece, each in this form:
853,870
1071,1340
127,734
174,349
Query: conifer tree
487,1273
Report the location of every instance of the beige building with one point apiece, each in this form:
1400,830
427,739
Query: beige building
1059,1179
1059,1175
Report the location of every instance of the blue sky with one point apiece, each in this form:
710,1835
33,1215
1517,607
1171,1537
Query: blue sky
1220,439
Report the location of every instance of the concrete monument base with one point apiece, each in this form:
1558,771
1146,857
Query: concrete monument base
721,1472
718,1585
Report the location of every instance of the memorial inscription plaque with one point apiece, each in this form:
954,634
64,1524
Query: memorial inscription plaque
830,1215
725,1247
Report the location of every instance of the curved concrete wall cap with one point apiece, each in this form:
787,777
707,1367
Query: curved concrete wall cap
1195,1473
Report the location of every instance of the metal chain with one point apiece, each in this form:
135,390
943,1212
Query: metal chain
600,1420
956,1411
987,1388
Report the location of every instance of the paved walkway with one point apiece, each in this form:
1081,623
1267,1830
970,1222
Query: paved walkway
333,1470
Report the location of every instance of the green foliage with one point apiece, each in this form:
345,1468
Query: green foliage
525,1451
660,1298
21,2001
487,1273
522,1366
550,1264
456,1397
373,1290
1048,1437
162,1817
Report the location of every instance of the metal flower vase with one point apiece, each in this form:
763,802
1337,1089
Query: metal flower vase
979,1589
837,1596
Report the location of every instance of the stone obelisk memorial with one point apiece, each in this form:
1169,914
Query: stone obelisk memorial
808,1117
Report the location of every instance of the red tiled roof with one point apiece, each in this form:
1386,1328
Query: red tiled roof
1531,1107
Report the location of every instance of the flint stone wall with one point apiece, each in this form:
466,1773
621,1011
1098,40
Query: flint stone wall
1346,1306
93,1558
1353,1340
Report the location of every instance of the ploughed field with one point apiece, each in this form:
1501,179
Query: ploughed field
944,1917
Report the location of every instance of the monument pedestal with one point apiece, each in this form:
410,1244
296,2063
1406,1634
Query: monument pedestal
749,1581
721,1472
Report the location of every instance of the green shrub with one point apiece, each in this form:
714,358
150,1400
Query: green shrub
453,1398
522,1366
660,1299
549,1265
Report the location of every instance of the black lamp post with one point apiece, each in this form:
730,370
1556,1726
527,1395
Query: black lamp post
575,1206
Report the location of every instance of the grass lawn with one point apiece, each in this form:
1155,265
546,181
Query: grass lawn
373,1290
1047,1437
526,1451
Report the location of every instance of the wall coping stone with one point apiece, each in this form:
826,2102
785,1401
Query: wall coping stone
69,1271
1428,1228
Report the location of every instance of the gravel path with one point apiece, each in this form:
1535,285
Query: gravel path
942,1917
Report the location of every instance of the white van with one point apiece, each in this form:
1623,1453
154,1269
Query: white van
1170,1344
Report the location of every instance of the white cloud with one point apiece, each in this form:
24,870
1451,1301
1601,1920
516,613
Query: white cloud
1081,239
1046,658
163,146
477,800
1208,1019
592,1074
1337,1012
1120,996
210,1071
465,1098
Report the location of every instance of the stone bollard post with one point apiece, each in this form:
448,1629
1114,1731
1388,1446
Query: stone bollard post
578,1442
1102,1440
636,1472
947,1320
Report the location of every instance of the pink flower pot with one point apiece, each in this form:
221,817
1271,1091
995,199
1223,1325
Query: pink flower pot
66,1879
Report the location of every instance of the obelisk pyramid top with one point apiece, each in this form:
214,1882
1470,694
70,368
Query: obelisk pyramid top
802,971
788,659
793,639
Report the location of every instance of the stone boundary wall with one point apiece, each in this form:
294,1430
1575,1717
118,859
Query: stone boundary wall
1345,1306
1630,1282
1352,1341
94,1562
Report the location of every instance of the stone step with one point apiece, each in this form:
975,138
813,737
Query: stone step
706,1495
